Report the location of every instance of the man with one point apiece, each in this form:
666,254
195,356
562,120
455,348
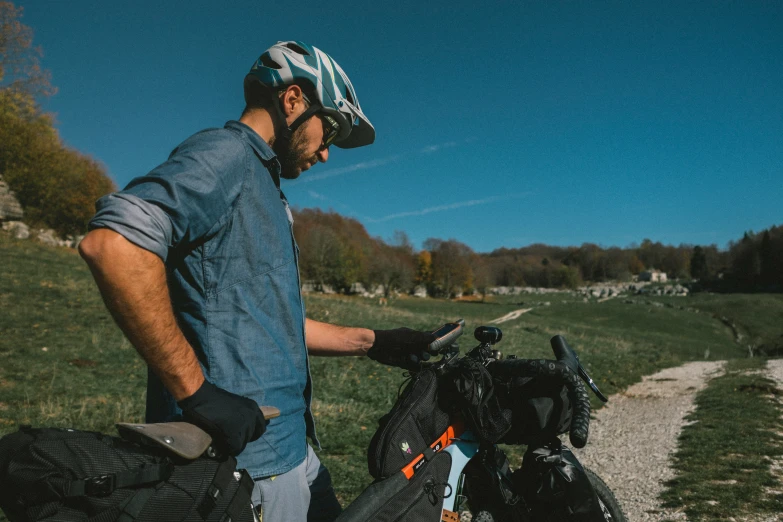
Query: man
198,265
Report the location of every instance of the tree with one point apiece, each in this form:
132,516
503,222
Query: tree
56,186
391,267
699,269
327,259
20,68
482,275
767,261
451,272
424,268
635,265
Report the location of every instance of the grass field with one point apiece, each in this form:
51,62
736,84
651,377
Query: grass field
725,451
64,363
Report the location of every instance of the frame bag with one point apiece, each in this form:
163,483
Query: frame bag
69,475
415,421
397,498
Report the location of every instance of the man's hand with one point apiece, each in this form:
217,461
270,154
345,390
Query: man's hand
401,347
231,419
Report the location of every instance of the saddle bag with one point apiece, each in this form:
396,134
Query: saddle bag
415,421
69,475
397,498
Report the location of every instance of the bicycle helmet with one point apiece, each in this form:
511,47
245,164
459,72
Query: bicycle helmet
286,62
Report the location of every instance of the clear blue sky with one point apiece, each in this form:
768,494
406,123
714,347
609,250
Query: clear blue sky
498,123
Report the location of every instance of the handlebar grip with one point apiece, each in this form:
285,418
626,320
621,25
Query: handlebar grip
580,421
564,353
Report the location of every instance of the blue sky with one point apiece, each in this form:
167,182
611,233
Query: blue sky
498,123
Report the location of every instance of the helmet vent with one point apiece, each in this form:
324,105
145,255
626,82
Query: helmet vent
267,61
296,48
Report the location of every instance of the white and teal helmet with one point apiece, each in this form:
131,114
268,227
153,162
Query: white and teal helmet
287,62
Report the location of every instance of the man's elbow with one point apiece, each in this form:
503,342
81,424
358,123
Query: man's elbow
96,244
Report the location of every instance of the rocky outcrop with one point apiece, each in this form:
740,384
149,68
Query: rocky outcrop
517,290
597,291
10,209
16,229
50,237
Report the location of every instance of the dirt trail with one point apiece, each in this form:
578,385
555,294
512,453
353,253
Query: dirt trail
510,316
633,437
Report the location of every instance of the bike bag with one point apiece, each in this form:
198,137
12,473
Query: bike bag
414,422
540,409
397,498
469,389
555,485
69,475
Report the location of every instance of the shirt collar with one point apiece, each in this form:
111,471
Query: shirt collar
262,148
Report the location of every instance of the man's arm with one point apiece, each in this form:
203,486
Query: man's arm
401,347
329,339
132,281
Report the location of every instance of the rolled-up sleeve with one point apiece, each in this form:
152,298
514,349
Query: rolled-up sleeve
181,200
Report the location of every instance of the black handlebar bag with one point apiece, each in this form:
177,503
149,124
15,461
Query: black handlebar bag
540,409
69,475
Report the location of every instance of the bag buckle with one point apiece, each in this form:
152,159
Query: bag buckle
100,485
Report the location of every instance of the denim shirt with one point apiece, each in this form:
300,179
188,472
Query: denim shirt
215,214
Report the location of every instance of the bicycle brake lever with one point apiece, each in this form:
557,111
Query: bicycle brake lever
589,381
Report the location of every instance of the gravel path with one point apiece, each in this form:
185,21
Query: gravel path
634,435
775,371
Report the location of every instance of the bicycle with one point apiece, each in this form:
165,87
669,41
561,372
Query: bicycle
479,480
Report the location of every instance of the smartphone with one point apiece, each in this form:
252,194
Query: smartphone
445,335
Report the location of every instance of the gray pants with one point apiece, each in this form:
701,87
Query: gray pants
304,494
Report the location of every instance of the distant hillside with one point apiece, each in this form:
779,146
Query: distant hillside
337,251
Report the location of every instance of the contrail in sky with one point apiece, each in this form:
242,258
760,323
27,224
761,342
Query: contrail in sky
429,149
350,168
437,147
450,206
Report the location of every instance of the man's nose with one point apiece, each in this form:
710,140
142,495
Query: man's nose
323,155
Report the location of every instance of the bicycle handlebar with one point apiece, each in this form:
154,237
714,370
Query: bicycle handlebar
566,370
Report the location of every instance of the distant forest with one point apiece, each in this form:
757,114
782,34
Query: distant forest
337,251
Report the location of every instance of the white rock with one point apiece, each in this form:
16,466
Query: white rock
17,229
48,237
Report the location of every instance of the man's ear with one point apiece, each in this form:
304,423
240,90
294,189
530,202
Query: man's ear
292,102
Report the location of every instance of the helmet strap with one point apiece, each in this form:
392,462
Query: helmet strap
284,132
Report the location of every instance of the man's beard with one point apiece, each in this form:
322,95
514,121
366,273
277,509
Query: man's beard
293,156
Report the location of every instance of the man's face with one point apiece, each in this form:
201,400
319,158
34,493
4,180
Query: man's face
304,149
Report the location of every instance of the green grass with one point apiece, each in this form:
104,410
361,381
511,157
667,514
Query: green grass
758,317
89,377
723,460
62,359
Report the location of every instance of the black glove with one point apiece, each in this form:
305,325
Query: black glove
401,347
231,419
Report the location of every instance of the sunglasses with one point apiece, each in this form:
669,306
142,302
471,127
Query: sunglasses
331,127
331,130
